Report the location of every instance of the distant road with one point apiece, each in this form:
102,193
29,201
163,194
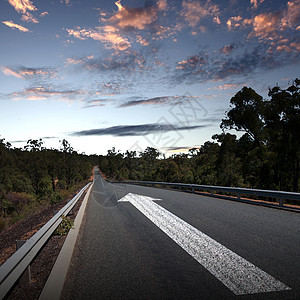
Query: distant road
183,246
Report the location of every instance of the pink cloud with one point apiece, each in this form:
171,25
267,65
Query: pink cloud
264,25
109,35
162,4
234,22
273,27
28,17
255,3
25,73
13,25
44,14
192,62
292,14
9,72
22,6
193,11
226,87
141,40
42,93
137,18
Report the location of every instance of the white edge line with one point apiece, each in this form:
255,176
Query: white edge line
55,282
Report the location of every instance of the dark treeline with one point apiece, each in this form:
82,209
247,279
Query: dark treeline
266,156
34,177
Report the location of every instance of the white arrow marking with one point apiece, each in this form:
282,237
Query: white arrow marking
236,273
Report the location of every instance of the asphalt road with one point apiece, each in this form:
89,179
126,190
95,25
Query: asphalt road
121,254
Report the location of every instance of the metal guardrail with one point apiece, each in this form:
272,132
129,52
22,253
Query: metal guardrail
280,195
14,267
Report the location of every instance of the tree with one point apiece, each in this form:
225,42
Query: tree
228,164
150,154
66,146
282,119
205,164
34,145
246,114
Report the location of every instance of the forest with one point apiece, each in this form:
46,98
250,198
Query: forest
34,177
265,156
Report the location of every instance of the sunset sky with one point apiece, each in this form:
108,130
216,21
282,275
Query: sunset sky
135,73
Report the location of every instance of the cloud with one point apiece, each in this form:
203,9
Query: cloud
279,27
225,86
255,3
135,18
96,103
58,93
28,17
194,11
128,25
110,88
28,73
37,93
210,66
279,30
109,35
227,49
141,40
165,100
192,62
129,61
74,61
10,72
236,22
22,6
45,13
162,4
264,25
135,130
13,25
292,14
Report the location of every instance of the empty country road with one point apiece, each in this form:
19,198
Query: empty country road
182,246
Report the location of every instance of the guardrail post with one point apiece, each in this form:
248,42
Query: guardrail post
280,202
26,276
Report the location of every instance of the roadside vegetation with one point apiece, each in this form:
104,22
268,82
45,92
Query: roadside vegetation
266,156
35,177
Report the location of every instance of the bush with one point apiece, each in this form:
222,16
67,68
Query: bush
65,225
45,188
55,198
18,200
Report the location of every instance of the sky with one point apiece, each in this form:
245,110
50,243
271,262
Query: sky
133,74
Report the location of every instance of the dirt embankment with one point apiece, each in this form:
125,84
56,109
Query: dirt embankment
43,263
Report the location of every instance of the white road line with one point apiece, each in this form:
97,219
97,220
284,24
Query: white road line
236,273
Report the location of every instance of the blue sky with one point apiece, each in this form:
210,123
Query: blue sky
132,74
